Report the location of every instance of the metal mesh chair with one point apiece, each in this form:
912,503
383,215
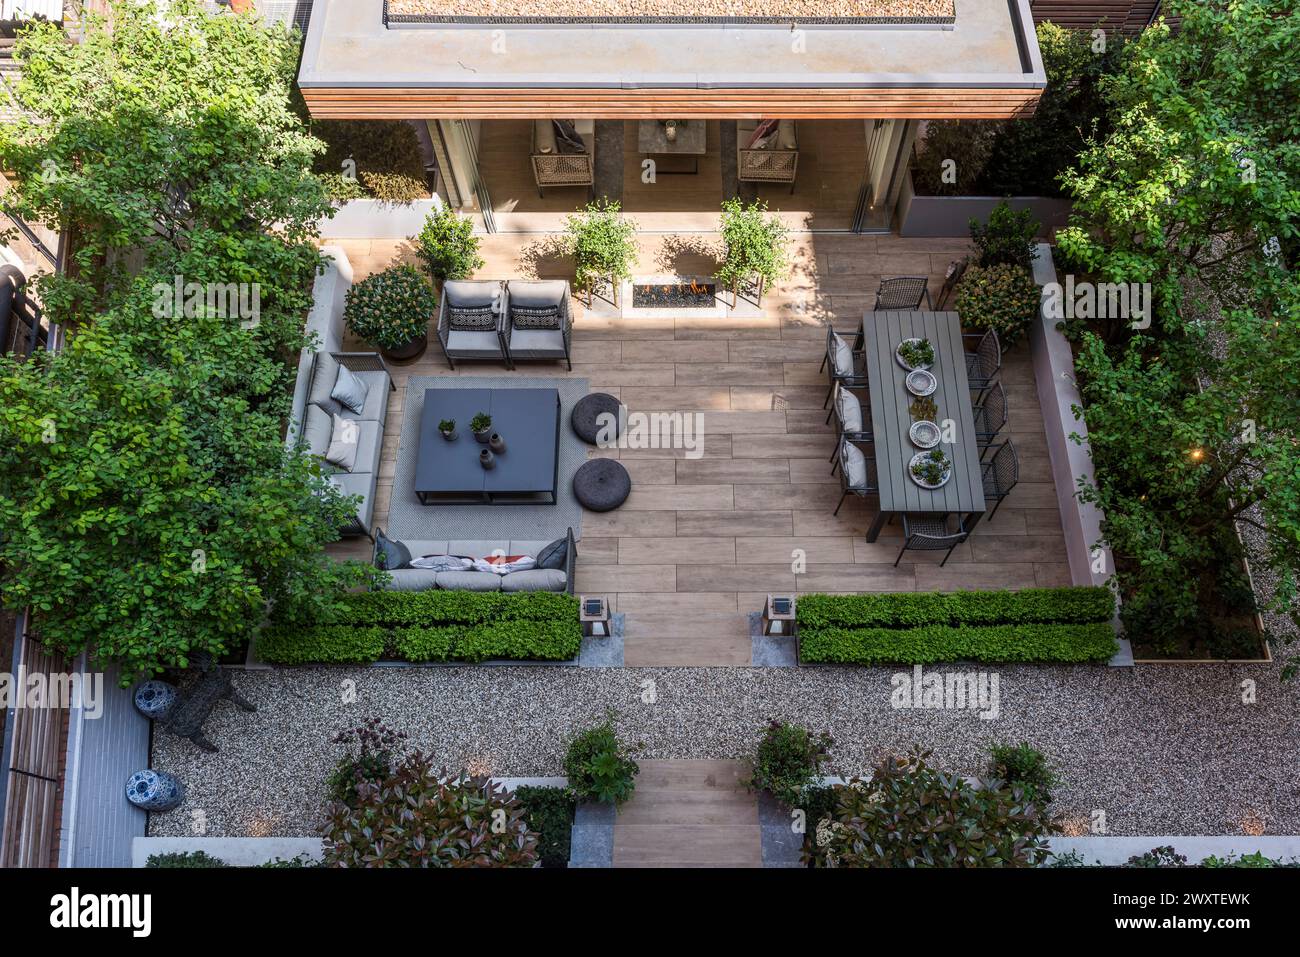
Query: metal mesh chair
990,416
931,533
1000,474
855,378
983,364
860,434
903,292
868,487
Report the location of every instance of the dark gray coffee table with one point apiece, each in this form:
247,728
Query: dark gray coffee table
526,472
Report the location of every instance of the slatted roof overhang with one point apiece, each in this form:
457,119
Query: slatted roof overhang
984,66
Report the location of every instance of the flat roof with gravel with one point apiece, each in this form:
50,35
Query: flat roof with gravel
925,10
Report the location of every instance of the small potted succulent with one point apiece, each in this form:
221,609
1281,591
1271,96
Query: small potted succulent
481,426
447,429
392,309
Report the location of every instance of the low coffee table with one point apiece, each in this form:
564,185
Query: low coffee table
526,472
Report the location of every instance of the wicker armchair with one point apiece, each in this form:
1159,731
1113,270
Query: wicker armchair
525,329
553,168
778,162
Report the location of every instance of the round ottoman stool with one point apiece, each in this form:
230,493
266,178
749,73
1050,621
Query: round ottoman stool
601,485
586,416
154,699
152,790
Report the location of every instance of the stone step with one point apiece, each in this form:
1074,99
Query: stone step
711,845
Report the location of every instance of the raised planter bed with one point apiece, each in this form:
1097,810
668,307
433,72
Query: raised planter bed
936,216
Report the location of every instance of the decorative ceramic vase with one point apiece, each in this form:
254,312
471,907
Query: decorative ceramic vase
154,699
487,459
152,790
670,132
496,443
449,436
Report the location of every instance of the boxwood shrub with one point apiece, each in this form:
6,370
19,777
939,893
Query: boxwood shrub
431,626
1076,606
934,643
549,813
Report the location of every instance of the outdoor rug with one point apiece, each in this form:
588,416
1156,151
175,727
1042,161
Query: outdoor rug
408,519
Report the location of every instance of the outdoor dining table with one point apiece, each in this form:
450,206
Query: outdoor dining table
891,416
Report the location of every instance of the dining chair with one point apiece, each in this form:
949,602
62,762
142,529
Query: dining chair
931,533
857,473
990,416
852,416
843,364
1000,475
983,364
903,292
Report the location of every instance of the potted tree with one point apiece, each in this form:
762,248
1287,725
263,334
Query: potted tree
447,246
603,246
756,253
391,310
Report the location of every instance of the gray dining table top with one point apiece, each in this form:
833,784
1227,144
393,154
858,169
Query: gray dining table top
891,414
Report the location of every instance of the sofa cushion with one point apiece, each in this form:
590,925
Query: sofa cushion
471,318
785,135
537,340
854,465
841,355
350,390
469,581
369,446
344,437
362,484
317,428
479,547
377,391
849,409
413,579
538,317
544,133
389,554
323,377
458,341
535,579
554,555
420,546
471,292
534,294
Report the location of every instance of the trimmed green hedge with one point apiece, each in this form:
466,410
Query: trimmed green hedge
431,626
1037,624
1066,606
934,643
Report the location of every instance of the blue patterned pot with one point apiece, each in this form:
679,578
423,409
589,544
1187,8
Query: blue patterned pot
152,790
154,699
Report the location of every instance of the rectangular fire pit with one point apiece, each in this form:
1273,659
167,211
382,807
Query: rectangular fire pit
694,294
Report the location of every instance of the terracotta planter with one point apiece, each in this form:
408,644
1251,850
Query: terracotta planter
409,352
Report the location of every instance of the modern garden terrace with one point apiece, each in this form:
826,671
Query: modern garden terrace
700,542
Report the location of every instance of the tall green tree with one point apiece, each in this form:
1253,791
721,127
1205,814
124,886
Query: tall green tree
1192,421
148,507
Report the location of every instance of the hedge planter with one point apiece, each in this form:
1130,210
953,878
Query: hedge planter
938,216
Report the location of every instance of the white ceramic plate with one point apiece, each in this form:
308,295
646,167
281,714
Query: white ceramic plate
917,479
921,383
924,435
899,359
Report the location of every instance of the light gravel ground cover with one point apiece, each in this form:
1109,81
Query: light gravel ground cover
1160,750
795,9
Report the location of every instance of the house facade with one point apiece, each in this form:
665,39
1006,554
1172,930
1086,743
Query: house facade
816,114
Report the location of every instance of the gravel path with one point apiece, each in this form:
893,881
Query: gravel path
1161,750
808,9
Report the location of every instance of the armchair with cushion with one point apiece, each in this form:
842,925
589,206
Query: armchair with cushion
556,159
767,151
537,322
470,320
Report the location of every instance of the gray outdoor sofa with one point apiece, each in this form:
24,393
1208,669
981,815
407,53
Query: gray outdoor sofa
311,425
532,579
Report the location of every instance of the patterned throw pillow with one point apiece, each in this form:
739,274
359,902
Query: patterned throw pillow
542,317
472,318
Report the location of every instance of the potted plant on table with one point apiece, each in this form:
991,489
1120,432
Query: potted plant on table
447,429
603,246
481,426
756,249
391,310
447,246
